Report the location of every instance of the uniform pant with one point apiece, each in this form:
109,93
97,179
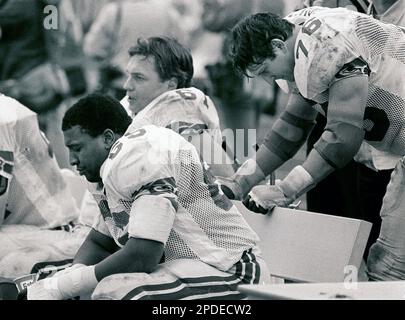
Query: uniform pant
185,279
23,246
386,261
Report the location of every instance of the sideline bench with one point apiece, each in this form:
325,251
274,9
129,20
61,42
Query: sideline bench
303,246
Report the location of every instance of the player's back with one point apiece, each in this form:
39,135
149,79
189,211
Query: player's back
36,192
332,38
155,160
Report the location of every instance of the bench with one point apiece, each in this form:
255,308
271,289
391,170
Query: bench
303,246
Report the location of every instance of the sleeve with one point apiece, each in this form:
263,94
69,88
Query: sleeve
320,53
153,211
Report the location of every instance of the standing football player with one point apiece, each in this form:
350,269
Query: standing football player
354,63
165,231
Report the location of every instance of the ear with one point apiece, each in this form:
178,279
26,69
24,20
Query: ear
109,138
279,44
172,84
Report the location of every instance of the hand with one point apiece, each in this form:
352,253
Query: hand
230,188
80,281
264,198
46,289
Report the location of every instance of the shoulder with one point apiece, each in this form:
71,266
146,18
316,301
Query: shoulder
141,156
183,95
323,46
13,110
127,163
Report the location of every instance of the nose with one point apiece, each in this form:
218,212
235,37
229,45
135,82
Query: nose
128,85
73,160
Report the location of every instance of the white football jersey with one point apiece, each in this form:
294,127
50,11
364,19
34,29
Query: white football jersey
151,165
36,193
329,41
179,110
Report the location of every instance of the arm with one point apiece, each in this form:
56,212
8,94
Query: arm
151,220
281,143
148,230
344,132
95,248
338,144
138,255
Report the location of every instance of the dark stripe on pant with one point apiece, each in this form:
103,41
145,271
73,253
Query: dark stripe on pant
192,291
177,283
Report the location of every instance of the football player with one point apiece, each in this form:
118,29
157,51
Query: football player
165,231
34,197
349,67
160,72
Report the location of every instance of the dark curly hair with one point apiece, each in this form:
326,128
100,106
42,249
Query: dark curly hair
172,59
251,39
96,113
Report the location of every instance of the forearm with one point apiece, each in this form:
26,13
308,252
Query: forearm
333,150
317,167
131,259
92,252
282,142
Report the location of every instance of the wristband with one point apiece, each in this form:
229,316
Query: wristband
296,183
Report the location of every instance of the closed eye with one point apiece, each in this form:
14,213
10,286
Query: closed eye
74,148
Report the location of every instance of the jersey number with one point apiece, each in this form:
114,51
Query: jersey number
116,148
309,28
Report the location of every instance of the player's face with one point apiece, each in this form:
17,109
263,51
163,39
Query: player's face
279,67
144,83
86,153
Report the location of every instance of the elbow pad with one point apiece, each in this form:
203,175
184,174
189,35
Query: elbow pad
339,143
288,134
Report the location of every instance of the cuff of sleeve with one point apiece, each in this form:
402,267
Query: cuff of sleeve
296,183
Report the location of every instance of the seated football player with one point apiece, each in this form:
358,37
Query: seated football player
160,72
330,61
165,231
36,206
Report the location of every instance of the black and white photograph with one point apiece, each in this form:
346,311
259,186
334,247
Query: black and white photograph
220,151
